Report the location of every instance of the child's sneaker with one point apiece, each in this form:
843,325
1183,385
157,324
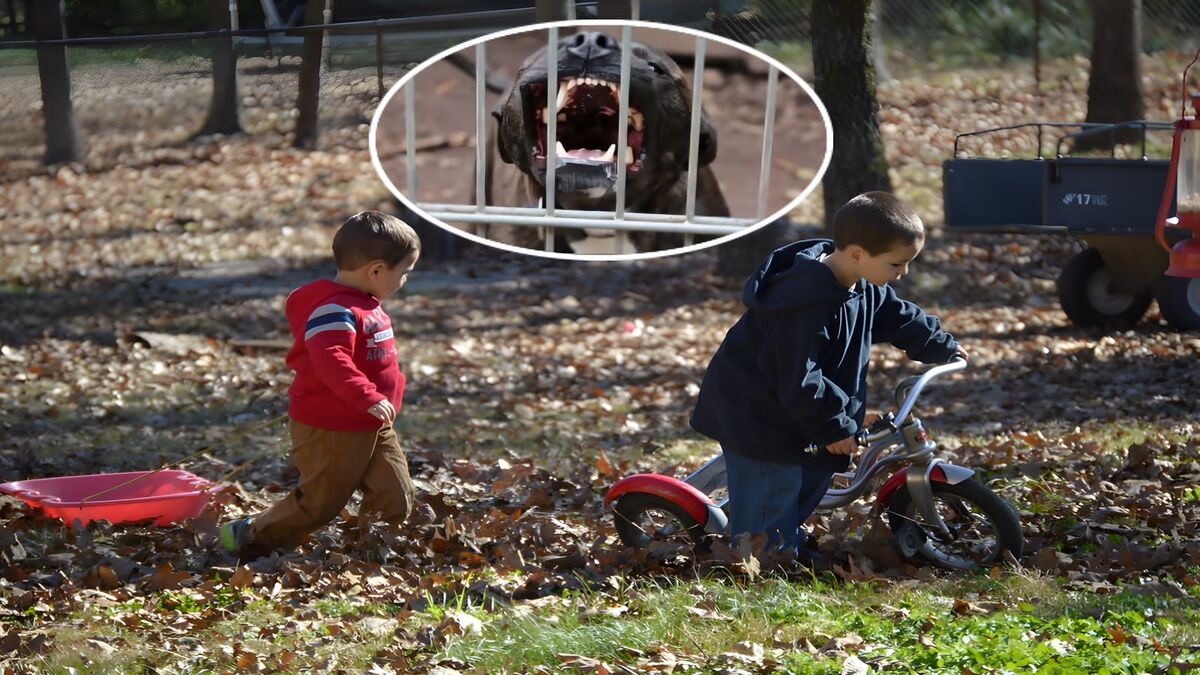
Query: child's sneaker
234,536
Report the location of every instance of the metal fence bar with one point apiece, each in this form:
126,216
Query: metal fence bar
694,137
410,137
480,126
623,126
551,114
764,175
539,220
566,214
635,10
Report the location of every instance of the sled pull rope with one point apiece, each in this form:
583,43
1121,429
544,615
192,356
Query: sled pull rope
185,458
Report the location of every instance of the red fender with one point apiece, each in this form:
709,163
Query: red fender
674,490
897,480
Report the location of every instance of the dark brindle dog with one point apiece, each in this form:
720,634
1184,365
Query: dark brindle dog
656,161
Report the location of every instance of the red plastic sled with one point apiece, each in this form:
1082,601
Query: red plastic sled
166,497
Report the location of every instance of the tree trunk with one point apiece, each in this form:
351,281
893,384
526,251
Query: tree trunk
844,78
1115,92
845,81
224,113
63,139
308,124
437,245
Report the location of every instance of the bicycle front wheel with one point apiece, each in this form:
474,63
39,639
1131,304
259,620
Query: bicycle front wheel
982,525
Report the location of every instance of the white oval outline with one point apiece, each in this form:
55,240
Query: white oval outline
593,257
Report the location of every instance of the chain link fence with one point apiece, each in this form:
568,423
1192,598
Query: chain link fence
151,96
917,37
147,96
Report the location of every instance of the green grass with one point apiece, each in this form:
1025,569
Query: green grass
188,51
907,628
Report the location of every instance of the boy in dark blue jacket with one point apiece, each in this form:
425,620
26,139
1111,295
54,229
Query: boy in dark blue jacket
791,374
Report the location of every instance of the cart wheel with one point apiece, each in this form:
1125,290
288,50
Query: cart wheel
1179,301
1083,292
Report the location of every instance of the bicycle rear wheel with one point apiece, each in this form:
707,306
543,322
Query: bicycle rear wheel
983,526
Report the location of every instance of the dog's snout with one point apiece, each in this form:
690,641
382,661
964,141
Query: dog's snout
591,45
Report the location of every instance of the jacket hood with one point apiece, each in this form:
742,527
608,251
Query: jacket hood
793,276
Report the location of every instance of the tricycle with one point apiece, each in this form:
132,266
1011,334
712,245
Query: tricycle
937,511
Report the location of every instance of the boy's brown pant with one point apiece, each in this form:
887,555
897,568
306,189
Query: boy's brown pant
332,465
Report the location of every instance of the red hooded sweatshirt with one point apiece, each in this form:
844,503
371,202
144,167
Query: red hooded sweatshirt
344,355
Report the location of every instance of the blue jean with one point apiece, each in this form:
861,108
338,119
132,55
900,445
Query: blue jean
773,497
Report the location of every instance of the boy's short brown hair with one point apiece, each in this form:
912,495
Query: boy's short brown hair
371,235
876,221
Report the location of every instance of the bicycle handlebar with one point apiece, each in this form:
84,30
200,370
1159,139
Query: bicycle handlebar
956,364
914,392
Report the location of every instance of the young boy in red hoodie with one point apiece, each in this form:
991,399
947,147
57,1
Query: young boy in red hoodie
347,391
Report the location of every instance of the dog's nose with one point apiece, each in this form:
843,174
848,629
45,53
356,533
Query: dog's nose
591,45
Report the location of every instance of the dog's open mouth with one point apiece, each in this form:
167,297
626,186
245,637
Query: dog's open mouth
587,110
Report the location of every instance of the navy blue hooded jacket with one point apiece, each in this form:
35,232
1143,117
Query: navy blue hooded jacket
792,372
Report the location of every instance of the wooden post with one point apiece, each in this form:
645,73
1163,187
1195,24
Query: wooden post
308,99
63,138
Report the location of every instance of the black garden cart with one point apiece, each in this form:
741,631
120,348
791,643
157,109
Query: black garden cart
1109,203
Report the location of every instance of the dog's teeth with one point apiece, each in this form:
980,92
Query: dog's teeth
611,155
615,90
560,149
628,155
562,98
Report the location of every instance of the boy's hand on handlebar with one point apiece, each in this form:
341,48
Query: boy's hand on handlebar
384,411
961,353
846,446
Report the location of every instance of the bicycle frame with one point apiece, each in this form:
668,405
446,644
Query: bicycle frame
910,448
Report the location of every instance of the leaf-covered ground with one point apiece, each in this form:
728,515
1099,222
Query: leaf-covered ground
142,296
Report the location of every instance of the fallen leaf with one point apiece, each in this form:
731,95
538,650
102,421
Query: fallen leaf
166,578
